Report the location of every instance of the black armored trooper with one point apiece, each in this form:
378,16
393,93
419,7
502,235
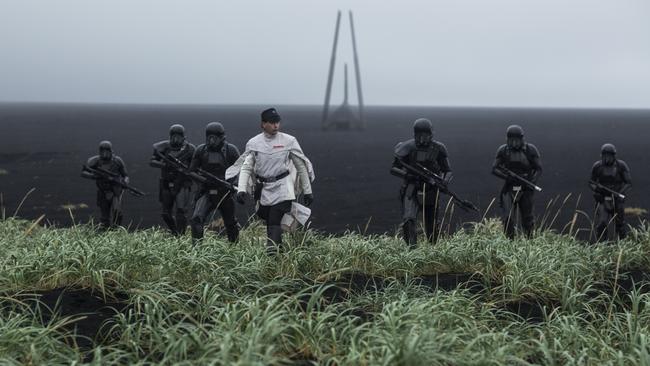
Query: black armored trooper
215,156
610,180
415,192
515,160
109,192
175,188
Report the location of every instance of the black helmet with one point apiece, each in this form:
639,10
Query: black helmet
608,149
215,135
515,131
105,150
176,136
106,145
214,128
422,125
177,129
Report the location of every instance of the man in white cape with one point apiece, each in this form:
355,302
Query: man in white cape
275,171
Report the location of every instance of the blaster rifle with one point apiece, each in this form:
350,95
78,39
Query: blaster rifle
608,190
100,173
436,180
199,175
509,173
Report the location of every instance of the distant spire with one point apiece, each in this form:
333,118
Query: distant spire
328,90
345,90
343,117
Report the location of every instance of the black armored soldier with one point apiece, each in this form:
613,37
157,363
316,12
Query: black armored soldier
422,151
610,180
519,164
214,157
173,156
109,172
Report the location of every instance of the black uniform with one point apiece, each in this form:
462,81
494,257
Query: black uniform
523,160
175,188
415,193
215,160
615,175
109,194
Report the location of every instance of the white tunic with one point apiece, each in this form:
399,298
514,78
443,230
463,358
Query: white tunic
269,156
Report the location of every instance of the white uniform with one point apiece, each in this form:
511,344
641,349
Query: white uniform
269,156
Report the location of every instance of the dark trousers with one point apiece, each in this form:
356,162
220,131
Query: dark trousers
225,204
606,212
272,215
513,203
414,202
176,204
110,206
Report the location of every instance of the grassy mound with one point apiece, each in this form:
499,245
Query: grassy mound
75,295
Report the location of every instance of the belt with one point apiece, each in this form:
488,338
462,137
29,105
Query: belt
273,179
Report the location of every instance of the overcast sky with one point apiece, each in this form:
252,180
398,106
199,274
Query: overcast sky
567,53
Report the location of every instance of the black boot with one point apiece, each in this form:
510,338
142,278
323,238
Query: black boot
409,233
169,221
181,223
274,239
197,230
232,231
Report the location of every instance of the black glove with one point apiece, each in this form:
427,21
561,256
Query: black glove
308,198
241,197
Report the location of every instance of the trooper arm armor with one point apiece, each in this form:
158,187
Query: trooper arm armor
121,168
155,162
536,164
594,177
397,170
498,163
91,163
445,166
196,159
627,177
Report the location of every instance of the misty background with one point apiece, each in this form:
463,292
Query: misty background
551,53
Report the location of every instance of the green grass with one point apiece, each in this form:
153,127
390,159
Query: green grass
220,303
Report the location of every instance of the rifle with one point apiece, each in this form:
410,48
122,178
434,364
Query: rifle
518,177
211,178
199,175
608,190
179,166
436,180
103,174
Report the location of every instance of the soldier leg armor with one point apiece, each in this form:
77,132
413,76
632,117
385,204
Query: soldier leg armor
509,208
201,211
104,204
619,219
525,205
410,208
116,210
431,222
227,210
183,201
604,213
166,198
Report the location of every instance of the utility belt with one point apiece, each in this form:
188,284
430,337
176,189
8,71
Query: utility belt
273,179
259,185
